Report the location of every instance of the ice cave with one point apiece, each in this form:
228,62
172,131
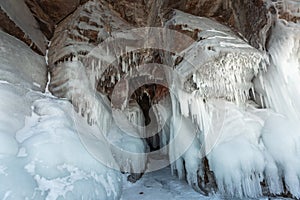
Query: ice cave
149,99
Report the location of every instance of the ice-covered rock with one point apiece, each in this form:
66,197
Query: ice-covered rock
20,14
127,139
50,155
219,64
41,153
21,66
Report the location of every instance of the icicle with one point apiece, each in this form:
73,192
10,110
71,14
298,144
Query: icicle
112,79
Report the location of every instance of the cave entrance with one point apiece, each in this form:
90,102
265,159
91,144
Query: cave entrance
146,96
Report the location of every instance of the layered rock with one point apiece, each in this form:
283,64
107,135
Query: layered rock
46,23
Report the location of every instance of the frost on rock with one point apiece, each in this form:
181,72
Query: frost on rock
82,31
218,65
73,40
71,81
217,138
288,10
214,124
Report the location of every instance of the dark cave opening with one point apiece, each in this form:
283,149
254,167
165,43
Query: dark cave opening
146,96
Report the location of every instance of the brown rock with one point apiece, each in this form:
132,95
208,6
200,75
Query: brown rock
9,27
45,22
249,17
134,11
59,9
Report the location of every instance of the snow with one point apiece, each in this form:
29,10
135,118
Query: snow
49,141
163,186
160,185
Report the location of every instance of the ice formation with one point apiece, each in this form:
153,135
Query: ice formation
250,151
20,14
127,146
216,137
41,154
279,85
223,139
219,64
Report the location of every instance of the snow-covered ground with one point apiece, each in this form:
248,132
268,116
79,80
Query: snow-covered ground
160,185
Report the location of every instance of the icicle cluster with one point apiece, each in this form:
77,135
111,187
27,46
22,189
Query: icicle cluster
280,84
126,138
226,77
219,64
251,152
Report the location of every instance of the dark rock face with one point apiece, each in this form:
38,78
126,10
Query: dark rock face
46,13
9,27
135,12
250,18
28,32
45,21
253,20
58,9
